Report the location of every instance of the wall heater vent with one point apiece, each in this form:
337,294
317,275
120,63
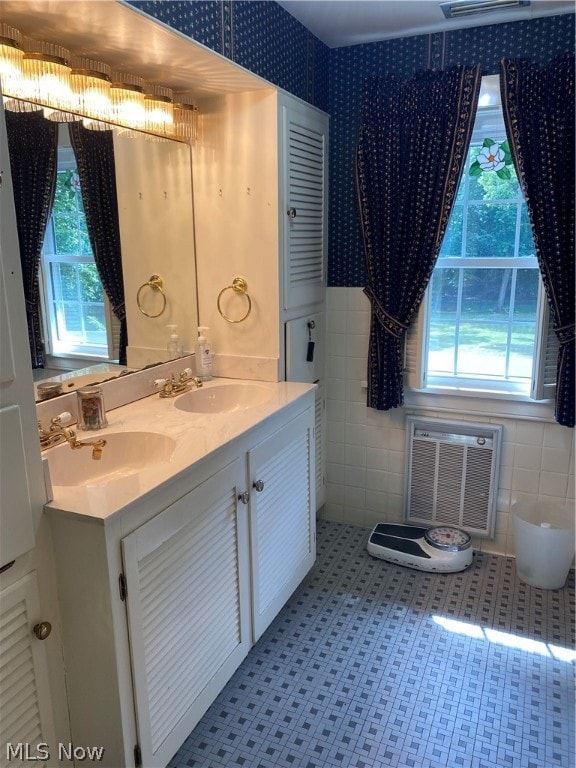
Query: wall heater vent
452,474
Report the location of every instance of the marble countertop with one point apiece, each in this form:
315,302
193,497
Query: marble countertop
196,436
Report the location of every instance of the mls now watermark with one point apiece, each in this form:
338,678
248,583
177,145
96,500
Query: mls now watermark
23,751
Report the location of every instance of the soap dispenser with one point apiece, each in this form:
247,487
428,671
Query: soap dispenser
174,346
203,355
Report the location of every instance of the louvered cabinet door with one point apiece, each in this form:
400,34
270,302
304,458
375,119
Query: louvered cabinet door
282,517
304,173
188,609
25,710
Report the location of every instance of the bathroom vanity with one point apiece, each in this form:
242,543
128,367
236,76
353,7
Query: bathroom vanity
168,574
156,581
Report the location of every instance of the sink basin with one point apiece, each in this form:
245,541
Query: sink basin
125,453
223,398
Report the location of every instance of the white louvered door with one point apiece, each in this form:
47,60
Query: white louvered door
25,711
282,517
304,181
188,608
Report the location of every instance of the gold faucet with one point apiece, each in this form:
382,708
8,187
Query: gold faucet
58,434
172,386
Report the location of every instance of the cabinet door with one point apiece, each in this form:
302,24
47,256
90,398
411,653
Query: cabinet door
304,170
188,609
282,517
25,708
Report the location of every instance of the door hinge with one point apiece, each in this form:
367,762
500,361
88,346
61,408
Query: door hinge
137,756
123,586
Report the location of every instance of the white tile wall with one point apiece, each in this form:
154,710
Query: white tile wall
365,449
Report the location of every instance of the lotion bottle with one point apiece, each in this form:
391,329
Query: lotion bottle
174,346
203,355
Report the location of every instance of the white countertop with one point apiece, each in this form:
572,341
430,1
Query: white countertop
196,436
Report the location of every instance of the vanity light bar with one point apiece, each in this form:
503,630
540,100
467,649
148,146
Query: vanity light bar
127,97
46,75
186,116
40,75
90,81
11,55
159,110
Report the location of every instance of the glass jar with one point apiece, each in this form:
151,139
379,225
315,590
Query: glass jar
47,389
91,411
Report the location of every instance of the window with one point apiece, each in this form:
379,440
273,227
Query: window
484,316
75,308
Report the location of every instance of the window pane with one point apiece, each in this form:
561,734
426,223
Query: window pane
84,247
64,281
69,322
489,186
444,304
526,247
482,348
482,323
94,324
452,243
491,230
66,235
64,195
524,323
90,285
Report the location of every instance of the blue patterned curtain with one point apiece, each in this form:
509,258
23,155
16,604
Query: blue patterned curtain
94,151
32,143
538,107
414,136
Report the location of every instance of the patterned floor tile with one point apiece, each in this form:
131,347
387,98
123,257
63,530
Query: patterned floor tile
371,665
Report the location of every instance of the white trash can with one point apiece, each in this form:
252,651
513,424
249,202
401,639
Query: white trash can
544,540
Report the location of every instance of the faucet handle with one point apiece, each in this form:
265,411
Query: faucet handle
62,419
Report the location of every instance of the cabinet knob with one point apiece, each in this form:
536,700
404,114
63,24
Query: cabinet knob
258,485
42,630
291,212
244,497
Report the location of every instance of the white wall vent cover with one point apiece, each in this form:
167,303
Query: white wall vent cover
452,474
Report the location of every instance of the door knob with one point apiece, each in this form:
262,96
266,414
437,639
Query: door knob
42,630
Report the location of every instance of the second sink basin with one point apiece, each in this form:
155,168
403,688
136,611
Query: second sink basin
223,398
125,453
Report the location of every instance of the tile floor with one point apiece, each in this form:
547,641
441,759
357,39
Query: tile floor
371,664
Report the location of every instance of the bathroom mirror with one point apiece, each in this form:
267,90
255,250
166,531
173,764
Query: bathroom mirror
155,206
130,41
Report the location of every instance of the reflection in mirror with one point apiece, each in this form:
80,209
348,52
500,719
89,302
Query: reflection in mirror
155,206
62,383
154,185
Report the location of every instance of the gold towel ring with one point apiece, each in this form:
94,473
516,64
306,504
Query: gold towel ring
156,284
239,285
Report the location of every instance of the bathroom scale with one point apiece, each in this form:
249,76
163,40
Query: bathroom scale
440,549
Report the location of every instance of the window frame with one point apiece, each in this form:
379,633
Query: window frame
91,352
449,394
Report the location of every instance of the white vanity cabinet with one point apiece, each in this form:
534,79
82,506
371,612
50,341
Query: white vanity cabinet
25,711
282,518
161,603
188,602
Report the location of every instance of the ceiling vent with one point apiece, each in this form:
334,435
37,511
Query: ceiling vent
458,8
